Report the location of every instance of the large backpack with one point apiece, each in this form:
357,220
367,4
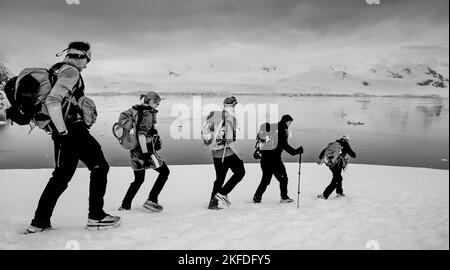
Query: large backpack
27,93
333,153
213,130
125,129
267,137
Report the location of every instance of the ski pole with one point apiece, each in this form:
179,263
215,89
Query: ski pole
299,169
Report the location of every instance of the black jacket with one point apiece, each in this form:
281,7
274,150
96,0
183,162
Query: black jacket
346,149
282,145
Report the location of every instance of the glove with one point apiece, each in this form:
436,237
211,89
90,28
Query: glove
147,161
257,154
300,150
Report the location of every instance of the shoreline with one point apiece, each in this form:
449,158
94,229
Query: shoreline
245,164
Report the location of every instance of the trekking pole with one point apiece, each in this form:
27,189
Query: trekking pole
299,169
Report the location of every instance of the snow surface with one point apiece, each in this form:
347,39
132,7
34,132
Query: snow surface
386,208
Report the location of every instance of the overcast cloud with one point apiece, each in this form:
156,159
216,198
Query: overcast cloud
140,34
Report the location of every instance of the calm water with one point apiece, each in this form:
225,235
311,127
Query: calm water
396,131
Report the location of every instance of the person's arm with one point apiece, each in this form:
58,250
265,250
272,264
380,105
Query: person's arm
145,124
349,151
229,128
67,78
283,140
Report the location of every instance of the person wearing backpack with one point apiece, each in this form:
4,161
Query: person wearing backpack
72,143
225,154
271,162
144,155
334,157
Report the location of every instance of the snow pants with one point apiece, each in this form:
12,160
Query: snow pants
237,167
272,167
77,145
336,182
139,177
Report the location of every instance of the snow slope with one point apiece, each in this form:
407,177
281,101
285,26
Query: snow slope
386,208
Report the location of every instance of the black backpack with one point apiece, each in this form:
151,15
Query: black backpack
27,93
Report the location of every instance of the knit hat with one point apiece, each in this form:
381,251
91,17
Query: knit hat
151,95
345,137
286,118
77,48
230,101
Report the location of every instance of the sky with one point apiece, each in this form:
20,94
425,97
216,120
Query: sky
141,36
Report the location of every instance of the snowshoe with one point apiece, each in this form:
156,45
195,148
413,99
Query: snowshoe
33,229
339,195
153,206
222,199
321,196
286,200
107,222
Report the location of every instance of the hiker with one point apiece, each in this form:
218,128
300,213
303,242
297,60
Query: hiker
272,164
225,155
337,162
144,156
73,142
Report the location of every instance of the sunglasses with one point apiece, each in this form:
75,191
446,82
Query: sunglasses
81,56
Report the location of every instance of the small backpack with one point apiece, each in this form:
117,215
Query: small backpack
125,129
213,135
333,152
27,93
267,138
88,110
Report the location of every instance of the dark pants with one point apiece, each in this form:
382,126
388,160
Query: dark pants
272,167
77,145
237,167
139,177
336,182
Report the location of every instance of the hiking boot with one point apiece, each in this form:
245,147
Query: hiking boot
321,196
339,195
103,224
286,200
153,206
214,205
33,229
223,199
257,199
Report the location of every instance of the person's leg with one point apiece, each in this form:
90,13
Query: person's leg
221,172
338,176
139,177
159,183
92,156
281,176
66,164
237,167
267,172
332,186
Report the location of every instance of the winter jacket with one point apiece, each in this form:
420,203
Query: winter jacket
230,124
145,126
282,145
147,120
69,81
